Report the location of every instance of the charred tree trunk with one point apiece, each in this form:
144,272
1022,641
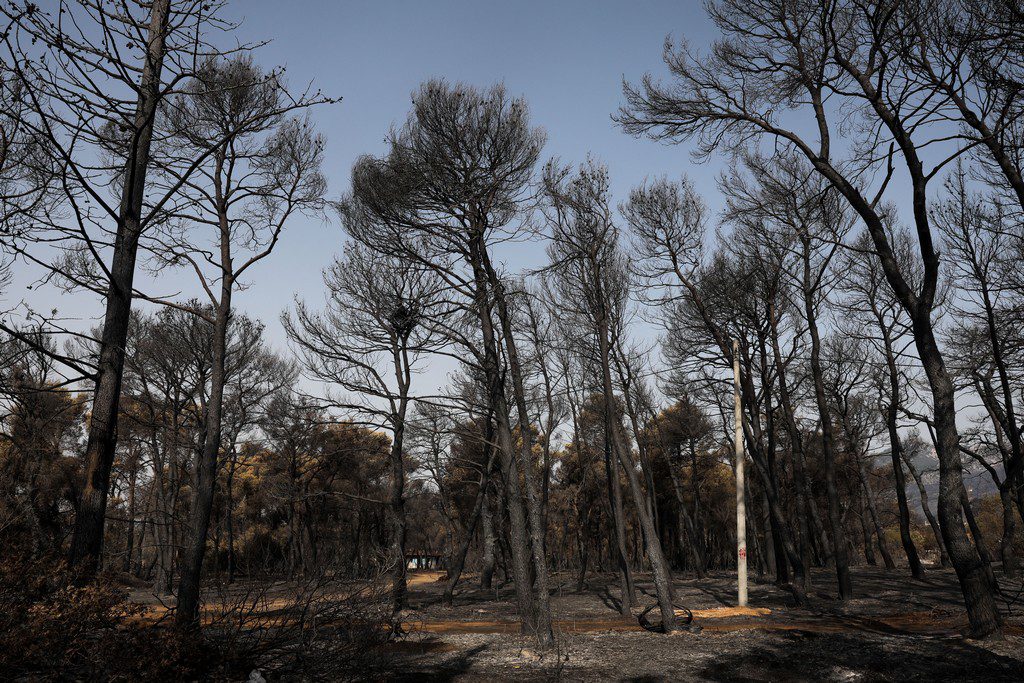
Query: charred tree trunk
519,549
872,508
396,514
230,520
129,552
459,562
487,559
843,579
979,538
543,631
618,527
801,485
926,508
916,568
187,613
869,550
975,582
685,522
1006,553
662,575
87,540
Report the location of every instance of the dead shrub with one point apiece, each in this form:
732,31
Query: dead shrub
53,630
322,626
319,628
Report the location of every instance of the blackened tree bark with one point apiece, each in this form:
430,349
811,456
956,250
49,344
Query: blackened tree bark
588,264
847,52
827,436
534,502
479,507
87,541
487,557
922,491
617,526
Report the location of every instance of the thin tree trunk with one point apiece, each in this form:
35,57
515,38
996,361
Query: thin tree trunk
801,485
900,480
845,584
542,599
396,513
187,614
519,549
1006,553
979,538
662,575
926,508
584,549
230,519
130,531
618,526
455,570
487,559
869,497
869,550
686,522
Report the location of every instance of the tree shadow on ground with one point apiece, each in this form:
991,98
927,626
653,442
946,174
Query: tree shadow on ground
812,656
447,670
609,600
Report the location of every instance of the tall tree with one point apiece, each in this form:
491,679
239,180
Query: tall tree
264,170
93,78
456,178
819,59
375,330
590,268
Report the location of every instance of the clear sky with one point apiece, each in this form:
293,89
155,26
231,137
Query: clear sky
567,57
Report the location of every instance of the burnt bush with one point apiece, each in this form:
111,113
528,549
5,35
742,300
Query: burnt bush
51,629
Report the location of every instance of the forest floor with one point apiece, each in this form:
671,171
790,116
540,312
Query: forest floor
895,629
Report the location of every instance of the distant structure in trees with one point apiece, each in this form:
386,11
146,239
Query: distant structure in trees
423,559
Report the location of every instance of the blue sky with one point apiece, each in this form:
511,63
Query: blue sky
568,58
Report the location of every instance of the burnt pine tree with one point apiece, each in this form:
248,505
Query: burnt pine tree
456,178
811,58
381,319
264,169
91,79
590,269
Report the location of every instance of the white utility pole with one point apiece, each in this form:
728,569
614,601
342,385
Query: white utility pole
741,503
